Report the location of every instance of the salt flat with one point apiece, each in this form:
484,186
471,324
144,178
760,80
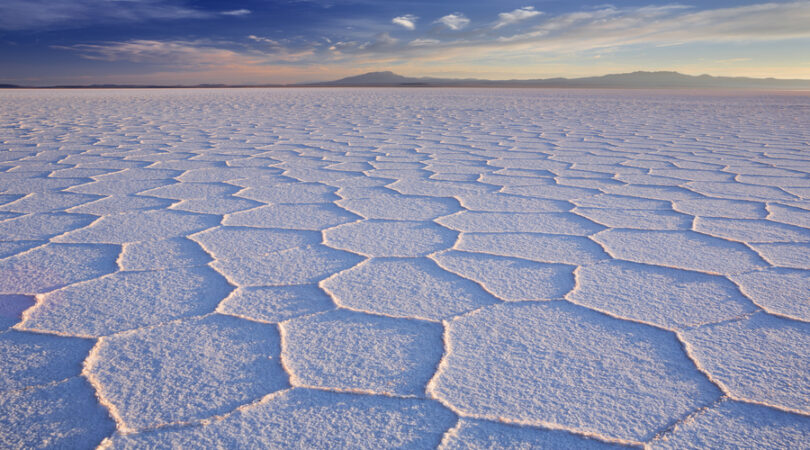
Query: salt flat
418,268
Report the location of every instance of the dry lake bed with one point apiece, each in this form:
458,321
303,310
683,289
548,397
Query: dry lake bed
419,268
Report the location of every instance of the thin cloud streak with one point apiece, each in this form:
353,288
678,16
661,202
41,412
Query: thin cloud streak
237,12
520,14
178,53
192,54
39,14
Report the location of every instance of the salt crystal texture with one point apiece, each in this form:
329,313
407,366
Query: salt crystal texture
416,268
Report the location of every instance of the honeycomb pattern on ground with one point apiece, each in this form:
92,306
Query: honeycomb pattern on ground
379,268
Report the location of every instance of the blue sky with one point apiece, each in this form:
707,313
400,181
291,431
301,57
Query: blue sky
205,41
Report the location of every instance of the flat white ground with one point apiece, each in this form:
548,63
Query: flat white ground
404,268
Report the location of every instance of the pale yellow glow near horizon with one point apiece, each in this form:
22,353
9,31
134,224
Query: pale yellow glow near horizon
288,74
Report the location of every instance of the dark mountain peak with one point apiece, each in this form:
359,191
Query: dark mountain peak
371,78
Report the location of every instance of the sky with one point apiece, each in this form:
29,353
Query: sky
47,42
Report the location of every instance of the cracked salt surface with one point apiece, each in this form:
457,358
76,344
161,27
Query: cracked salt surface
404,268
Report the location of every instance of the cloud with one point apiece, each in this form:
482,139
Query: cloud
531,46
666,26
264,40
176,53
455,21
565,34
508,18
569,36
383,42
237,12
408,21
199,54
39,14
423,42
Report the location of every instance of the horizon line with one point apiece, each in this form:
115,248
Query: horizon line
425,81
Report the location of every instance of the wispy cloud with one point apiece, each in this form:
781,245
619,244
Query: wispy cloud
666,25
264,40
408,21
178,53
529,44
421,42
596,29
237,12
455,21
347,50
509,18
38,14
193,54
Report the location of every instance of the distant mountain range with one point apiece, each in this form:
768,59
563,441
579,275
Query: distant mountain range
634,80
